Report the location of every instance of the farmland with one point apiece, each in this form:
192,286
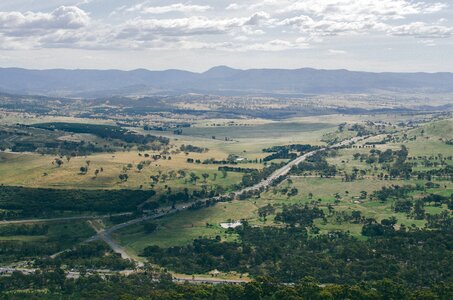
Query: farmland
159,190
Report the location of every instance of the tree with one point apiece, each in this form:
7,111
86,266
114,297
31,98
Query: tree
181,173
356,216
264,211
363,195
150,227
193,177
155,178
164,177
58,162
293,192
419,211
123,177
253,291
205,176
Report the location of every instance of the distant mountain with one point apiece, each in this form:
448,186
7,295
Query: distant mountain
221,79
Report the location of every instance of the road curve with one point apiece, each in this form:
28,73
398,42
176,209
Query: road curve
105,235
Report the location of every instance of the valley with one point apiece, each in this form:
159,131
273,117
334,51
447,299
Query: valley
147,194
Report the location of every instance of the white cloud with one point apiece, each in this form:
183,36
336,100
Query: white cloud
428,43
336,51
31,29
276,45
422,30
258,18
140,28
381,9
266,25
351,17
146,7
64,17
235,6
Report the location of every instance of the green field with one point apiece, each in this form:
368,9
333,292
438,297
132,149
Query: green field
246,139
264,131
182,227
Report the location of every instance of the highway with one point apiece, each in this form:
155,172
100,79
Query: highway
286,168
105,235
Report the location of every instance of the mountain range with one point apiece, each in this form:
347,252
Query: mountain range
220,79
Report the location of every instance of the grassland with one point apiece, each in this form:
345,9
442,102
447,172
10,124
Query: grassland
33,170
183,227
244,138
271,130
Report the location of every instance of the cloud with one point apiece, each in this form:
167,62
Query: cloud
258,18
265,25
145,28
146,7
9,43
31,23
26,30
382,9
336,51
428,43
422,30
141,28
276,45
342,17
235,6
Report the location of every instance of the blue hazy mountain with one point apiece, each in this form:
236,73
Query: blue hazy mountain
218,79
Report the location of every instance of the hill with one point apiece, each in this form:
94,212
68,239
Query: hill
221,79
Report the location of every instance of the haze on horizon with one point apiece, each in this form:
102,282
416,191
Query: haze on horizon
368,35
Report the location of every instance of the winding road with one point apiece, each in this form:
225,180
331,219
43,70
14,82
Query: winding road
106,234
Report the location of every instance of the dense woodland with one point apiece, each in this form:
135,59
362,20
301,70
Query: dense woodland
46,138
20,138
316,164
416,257
288,151
29,202
103,131
54,285
40,241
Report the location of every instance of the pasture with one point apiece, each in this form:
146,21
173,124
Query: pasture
182,227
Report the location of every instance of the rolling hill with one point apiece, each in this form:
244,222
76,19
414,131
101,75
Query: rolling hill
61,82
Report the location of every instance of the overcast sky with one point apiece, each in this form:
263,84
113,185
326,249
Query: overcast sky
371,35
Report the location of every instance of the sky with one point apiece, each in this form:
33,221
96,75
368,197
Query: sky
195,35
